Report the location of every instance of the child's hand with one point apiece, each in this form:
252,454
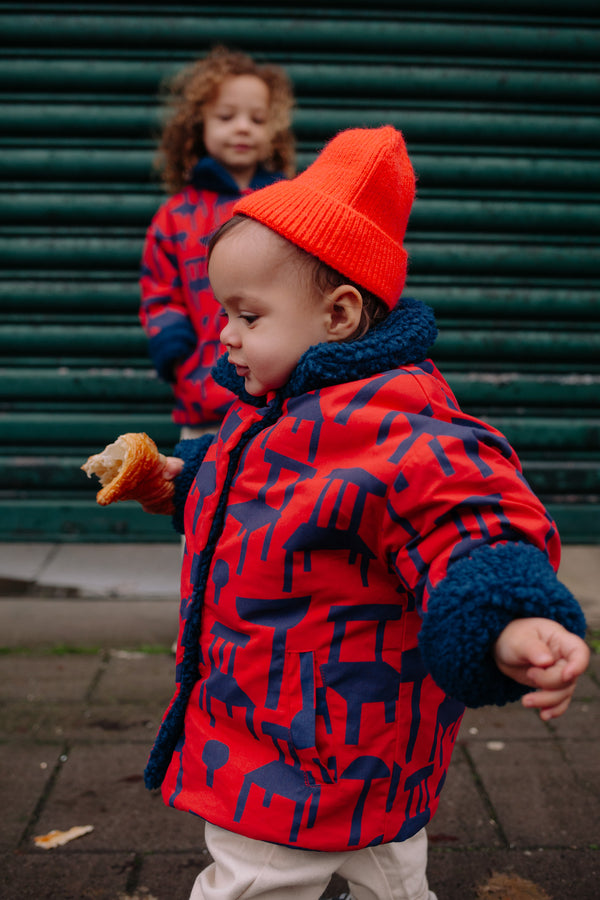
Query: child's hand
544,655
172,468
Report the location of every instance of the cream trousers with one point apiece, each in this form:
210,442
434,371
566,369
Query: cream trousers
245,869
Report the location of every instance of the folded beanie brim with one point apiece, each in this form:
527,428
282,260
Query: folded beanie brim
338,235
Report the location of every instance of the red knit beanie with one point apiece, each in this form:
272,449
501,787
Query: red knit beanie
350,208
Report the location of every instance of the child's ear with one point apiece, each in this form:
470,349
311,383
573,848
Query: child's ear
345,309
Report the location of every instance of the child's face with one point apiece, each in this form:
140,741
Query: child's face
236,126
274,312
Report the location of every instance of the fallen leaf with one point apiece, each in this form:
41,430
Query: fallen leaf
510,887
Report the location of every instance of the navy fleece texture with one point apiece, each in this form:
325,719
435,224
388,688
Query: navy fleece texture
209,175
177,341
476,600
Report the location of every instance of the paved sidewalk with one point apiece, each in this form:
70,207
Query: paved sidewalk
522,798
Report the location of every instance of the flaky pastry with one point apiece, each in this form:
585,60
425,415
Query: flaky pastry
57,838
132,469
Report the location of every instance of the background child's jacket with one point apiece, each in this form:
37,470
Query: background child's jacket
178,310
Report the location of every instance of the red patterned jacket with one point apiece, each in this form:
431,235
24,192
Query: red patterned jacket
355,543
178,310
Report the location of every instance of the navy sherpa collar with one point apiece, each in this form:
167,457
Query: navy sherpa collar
209,175
404,337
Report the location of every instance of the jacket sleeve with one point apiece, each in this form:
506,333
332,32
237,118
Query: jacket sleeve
469,539
469,608
192,453
163,313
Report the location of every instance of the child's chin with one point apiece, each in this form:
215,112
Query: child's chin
254,389
258,390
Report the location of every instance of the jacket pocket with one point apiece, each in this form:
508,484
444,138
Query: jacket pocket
309,720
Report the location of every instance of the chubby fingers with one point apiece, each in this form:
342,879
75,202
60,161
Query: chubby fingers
554,689
551,704
172,468
549,677
577,657
540,644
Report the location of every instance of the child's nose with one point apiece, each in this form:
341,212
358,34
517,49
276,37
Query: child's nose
243,123
228,336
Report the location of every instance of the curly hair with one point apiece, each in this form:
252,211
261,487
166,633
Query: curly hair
187,93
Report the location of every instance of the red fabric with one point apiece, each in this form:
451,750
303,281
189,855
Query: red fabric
314,722
176,295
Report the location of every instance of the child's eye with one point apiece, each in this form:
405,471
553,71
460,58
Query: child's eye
248,318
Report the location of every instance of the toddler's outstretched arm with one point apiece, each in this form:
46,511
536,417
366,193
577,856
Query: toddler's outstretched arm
544,655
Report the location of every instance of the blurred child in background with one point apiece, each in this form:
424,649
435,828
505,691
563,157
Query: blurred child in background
228,133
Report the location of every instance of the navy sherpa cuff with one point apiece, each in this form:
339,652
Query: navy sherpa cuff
192,453
173,343
467,611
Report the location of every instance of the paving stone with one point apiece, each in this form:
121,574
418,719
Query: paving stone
136,676
81,622
589,683
588,686
81,722
580,722
25,771
102,785
172,875
502,723
583,757
563,874
46,677
58,875
462,819
536,795
580,571
19,720
110,723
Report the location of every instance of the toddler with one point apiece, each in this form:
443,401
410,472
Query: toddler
363,558
228,134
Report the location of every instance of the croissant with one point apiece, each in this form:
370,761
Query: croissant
132,469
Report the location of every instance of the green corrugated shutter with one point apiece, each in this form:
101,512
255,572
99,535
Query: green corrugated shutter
498,103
